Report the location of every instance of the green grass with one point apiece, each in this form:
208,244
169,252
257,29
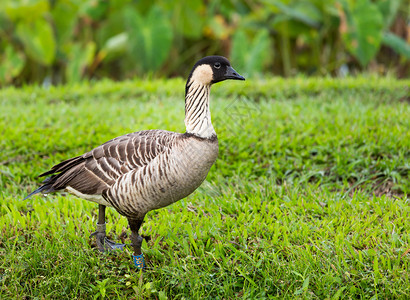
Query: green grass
308,198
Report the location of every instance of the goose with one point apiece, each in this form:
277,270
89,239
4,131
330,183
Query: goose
147,170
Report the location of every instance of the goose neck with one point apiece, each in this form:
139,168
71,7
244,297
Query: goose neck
197,113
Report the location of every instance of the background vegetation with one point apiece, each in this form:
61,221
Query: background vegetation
308,198
57,41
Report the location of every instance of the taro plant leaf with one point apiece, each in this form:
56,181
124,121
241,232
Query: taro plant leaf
150,37
361,28
65,18
389,9
5,24
187,16
38,40
95,9
251,55
300,18
286,26
304,12
110,27
192,20
397,44
239,49
113,47
218,27
11,64
79,58
27,10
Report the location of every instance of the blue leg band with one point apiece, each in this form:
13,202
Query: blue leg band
139,261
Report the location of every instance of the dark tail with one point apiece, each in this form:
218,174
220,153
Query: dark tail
45,188
49,184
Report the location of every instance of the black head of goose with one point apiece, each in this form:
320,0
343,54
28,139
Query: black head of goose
146,170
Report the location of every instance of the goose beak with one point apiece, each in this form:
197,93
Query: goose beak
232,74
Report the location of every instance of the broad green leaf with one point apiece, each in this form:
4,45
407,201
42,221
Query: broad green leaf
79,57
114,47
188,17
389,9
363,34
65,18
117,43
150,38
302,12
296,18
397,44
38,40
27,10
239,49
5,23
110,27
250,55
192,19
11,64
260,53
310,12
289,27
118,4
218,28
95,9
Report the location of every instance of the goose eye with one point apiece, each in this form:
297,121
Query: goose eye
217,65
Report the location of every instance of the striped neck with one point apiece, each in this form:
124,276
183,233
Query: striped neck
197,114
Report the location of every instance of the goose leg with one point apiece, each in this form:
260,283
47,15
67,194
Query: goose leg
103,243
136,242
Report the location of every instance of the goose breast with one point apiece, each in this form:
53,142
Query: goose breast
169,177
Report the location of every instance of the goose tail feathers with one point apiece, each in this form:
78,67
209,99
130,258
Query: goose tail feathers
47,187
50,184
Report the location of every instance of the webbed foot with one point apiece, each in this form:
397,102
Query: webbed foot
103,243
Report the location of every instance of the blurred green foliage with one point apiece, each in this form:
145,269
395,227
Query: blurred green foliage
57,41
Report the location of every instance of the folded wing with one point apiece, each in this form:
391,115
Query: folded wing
97,170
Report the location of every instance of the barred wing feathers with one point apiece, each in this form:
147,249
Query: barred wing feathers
97,170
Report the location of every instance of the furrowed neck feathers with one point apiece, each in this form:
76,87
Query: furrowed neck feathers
197,113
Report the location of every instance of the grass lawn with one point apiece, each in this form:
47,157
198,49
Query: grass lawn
308,198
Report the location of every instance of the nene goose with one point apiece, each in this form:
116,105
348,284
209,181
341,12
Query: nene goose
141,171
